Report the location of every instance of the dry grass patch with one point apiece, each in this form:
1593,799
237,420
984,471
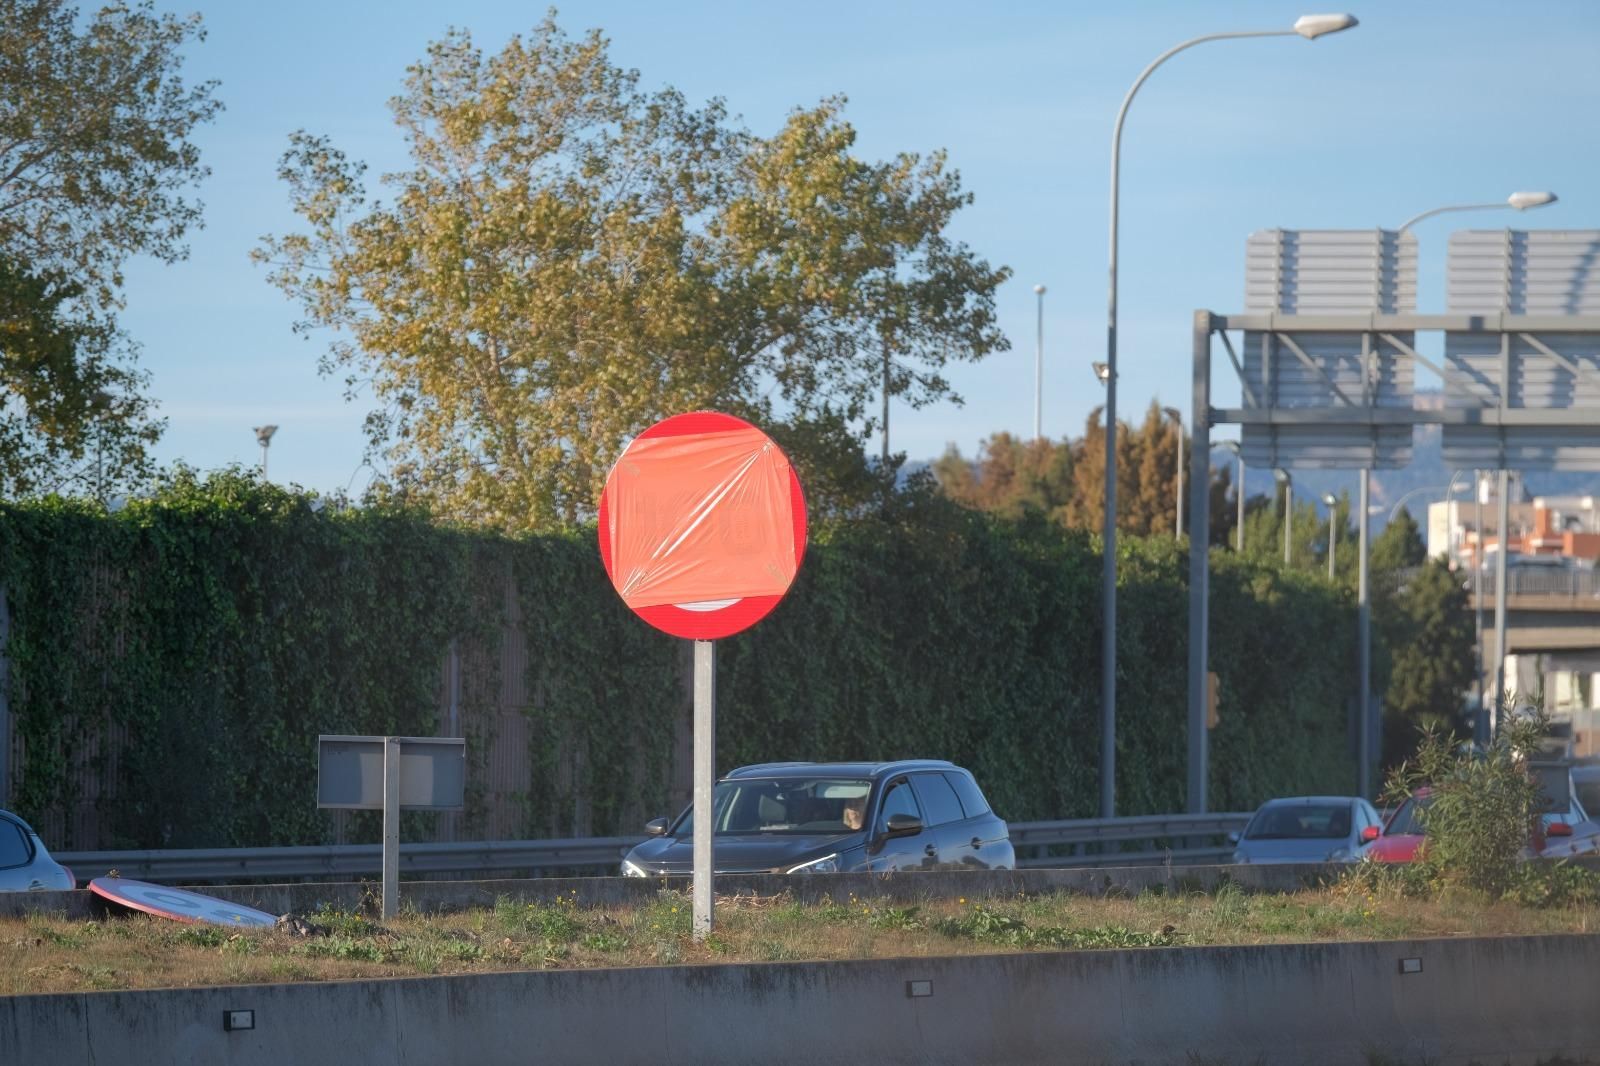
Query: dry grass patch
43,954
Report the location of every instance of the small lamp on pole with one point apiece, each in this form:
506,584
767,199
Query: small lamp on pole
1038,368
264,438
1288,512
1333,528
1238,493
1177,421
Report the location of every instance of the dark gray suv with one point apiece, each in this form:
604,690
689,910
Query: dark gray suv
915,814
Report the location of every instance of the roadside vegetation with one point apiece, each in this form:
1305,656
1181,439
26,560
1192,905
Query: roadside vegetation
1481,808
52,954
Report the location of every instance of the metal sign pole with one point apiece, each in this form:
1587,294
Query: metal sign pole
391,827
705,779
1199,565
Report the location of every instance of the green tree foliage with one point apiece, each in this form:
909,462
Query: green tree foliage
1399,546
571,257
95,163
1422,632
1427,631
1308,534
220,625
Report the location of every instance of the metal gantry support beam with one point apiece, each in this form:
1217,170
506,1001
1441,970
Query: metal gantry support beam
1199,565
1340,410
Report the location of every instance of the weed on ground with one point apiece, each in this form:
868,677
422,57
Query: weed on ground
52,954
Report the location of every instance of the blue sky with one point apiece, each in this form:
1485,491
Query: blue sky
1423,104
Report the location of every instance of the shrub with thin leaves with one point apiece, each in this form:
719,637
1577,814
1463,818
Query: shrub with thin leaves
1481,804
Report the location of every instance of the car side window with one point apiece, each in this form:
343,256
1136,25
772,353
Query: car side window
972,801
898,800
938,798
14,847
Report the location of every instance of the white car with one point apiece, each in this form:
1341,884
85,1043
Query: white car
25,864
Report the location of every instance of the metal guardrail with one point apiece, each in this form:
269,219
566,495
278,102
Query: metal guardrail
349,860
1571,582
1178,838
1578,583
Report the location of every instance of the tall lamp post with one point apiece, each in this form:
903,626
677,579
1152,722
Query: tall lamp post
1038,368
1310,27
1288,513
264,438
1517,201
1238,494
1333,528
1177,422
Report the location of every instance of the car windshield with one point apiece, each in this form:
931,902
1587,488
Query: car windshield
1405,821
1301,821
784,805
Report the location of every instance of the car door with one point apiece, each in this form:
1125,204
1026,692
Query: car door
983,833
915,851
944,820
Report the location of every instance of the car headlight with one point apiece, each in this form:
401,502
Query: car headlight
828,864
1240,856
630,870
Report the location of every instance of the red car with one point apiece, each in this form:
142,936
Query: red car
1403,835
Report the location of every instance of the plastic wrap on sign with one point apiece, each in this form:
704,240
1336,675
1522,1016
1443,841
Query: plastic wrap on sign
689,517
702,515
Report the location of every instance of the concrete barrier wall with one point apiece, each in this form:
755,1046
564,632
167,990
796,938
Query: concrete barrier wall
1503,1000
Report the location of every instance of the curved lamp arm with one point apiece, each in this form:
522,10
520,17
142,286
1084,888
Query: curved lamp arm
1520,201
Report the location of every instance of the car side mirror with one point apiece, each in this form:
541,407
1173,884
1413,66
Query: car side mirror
1558,829
1370,833
656,827
1233,836
902,825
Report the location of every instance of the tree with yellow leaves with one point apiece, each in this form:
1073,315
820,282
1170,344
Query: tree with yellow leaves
571,258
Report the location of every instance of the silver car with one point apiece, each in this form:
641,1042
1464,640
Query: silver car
25,865
1308,829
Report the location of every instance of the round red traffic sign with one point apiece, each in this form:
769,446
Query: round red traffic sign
177,904
702,525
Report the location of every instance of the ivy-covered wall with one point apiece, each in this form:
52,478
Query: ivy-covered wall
178,658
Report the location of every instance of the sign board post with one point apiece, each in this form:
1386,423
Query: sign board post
705,779
391,774
702,530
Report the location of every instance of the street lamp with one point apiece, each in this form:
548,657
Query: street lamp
1038,369
1333,528
1448,490
264,438
1519,201
1238,492
1310,27
1177,420
1288,510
